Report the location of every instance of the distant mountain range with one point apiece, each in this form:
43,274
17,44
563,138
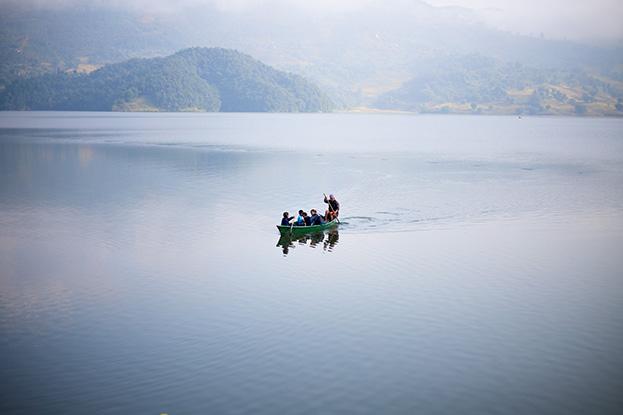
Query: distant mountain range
474,84
196,79
398,55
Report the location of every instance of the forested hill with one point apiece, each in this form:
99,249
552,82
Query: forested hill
196,79
482,85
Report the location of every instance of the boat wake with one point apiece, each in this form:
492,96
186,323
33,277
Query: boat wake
393,222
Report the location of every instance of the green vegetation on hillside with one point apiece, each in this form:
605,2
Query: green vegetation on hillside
445,59
198,79
38,41
476,84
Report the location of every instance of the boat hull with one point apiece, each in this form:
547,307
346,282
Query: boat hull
301,230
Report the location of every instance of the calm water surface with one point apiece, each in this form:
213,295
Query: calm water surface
478,269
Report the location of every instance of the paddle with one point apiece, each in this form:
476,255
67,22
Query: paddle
331,208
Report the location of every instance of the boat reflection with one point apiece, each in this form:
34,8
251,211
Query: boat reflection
327,240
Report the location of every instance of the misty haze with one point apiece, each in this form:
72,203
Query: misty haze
294,207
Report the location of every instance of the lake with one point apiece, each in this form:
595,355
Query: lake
477,269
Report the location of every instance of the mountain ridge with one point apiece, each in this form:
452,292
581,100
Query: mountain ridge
193,79
366,57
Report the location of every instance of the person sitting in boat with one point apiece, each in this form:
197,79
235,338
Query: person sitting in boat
300,220
285,221
315,218
307,219
334,208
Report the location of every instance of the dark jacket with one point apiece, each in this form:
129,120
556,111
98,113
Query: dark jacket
316,219
334,204
307,220
286,221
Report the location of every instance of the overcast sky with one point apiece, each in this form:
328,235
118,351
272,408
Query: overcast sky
571,19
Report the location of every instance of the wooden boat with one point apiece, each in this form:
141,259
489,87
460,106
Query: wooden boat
301,230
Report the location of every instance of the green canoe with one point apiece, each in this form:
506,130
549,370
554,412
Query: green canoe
300,230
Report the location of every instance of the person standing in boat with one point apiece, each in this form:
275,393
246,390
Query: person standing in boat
334,208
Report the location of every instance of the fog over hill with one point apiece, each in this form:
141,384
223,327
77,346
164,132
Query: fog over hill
357,51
